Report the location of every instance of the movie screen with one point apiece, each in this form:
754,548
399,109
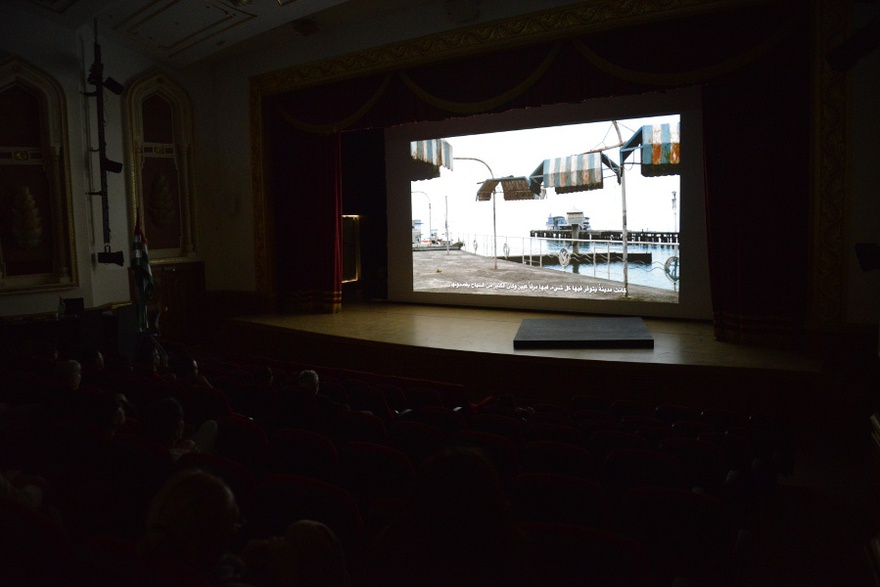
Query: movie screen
583,215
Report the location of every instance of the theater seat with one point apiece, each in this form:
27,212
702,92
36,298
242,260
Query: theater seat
417,440
371,472
686,535
34,549
548,456
284,499
573,556
297,451
560,499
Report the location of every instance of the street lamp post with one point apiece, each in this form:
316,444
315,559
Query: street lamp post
494,217
674,213
429,211
624,233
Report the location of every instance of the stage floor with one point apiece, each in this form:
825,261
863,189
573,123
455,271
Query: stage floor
474,348
676,342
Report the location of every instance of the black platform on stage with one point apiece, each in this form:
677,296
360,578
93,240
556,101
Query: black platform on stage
580,333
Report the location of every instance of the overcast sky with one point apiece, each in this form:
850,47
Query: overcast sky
518,153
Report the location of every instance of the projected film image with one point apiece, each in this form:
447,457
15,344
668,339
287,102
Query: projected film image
578,211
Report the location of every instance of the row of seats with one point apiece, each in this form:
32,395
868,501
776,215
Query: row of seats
648,489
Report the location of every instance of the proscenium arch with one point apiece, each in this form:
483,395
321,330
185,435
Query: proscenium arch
826,304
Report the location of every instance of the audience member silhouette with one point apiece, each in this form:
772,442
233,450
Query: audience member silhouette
164,424
186,372
309,554
192,522
150,380
69,375
96,375
456,530
26,489
304,406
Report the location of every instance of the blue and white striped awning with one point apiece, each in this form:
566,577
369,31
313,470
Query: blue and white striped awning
660,146
575,173
428,157
661,150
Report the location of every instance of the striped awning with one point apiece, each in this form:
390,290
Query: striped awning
661,150
428,157
575,173
513,188
660,146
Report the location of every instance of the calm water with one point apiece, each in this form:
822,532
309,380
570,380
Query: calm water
652,275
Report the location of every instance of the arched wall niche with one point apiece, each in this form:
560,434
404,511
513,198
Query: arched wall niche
37,248
160,124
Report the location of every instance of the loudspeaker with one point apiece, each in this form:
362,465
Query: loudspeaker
108,257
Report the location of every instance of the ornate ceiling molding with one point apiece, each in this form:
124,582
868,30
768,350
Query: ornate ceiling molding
596,15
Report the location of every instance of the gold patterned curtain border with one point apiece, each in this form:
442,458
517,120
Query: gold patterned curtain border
490,103
553,24
340,124
685,78
691,77
428,98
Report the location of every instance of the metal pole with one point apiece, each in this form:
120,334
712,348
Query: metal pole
429,212
446,223
494,230
494,195
674,214
623,233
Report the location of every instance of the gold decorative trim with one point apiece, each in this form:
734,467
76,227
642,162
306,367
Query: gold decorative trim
483,105
339,124
684,78
553,24
265,276
829,183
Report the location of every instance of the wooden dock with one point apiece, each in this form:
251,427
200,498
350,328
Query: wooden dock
641,236
581,258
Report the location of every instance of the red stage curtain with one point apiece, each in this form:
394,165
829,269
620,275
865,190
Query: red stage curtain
307,198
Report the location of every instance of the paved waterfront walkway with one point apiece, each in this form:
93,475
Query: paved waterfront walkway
463,272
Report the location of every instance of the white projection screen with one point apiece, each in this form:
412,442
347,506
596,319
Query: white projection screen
528,209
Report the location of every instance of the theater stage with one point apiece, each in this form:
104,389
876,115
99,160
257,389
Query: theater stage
474,348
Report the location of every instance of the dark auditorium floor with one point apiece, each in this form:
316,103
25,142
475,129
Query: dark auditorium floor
822,516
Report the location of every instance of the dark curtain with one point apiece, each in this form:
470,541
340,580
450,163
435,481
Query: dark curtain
365,195
752,64
307,200
757,152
